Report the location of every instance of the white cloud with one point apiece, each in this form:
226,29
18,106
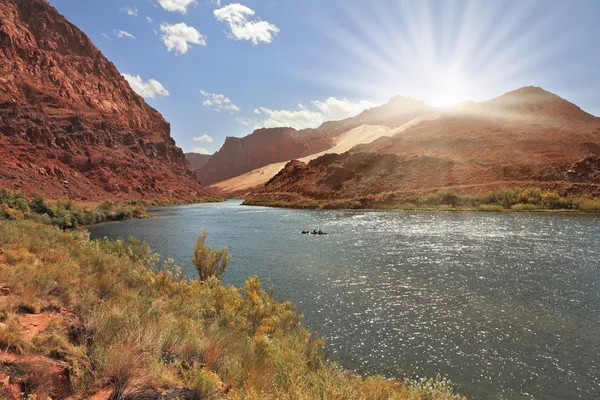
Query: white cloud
218,102
176,5
105,35
334,109
123,34
201,150
204,139
331,109
298,119
131,11
242,27
149,20
246,121
149,89
179,37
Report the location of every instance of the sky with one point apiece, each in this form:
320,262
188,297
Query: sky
216,68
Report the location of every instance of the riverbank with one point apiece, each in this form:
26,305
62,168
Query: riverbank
86,318
68,214
502,200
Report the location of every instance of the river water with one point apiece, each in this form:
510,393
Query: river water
505,305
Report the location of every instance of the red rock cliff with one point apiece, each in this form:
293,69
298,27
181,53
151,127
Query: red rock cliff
70,125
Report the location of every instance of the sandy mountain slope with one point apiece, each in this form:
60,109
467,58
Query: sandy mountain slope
525,137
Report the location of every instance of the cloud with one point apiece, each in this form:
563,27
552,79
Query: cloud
149,89
298,119
176,5
105,36
201,150
242,27
218,102
204,139
246,121
130,11
334,109
123,34
179,37
149,20
331,109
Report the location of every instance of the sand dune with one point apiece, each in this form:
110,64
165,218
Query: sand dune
361,135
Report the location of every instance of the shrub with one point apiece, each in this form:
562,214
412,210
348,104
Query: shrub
209,262
11,337
135,326
590,205
524,207
205,384
447,197
491,208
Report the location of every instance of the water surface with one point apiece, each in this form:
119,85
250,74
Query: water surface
506,305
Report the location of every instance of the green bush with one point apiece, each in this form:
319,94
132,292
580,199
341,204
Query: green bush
208,261
134,325
590,205
491,208
524,207
65,214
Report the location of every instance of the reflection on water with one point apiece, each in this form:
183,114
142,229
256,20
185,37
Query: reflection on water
506,305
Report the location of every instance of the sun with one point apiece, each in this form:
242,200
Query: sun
449,87
442,53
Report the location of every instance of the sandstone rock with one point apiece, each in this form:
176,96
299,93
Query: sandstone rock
61,100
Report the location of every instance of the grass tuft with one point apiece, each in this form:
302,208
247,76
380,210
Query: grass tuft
133,324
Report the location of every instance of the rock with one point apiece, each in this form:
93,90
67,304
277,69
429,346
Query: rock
5,291
52,65
509,141
274,145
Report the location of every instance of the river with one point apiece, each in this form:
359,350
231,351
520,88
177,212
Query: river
506,305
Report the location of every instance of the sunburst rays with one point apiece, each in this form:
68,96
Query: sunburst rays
439,51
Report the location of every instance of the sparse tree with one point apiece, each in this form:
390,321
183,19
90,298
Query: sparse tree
208,261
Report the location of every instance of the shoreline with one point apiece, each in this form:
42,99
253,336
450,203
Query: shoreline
70,214
505,200
204,337
296,206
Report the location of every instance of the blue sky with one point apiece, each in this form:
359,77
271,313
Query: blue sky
217,69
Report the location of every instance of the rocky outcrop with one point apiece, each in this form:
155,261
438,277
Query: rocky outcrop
274,145
70,125
543,141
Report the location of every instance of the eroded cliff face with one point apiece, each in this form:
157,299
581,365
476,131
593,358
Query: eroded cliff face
70,125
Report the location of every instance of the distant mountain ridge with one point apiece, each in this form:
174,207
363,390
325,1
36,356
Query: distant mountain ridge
525,137
272,145
70,124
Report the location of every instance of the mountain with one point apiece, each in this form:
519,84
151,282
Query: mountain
196,160
274,145
70,125
535,102
243,184
526,137
262,147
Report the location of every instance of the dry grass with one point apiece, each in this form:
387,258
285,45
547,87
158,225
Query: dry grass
135,326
